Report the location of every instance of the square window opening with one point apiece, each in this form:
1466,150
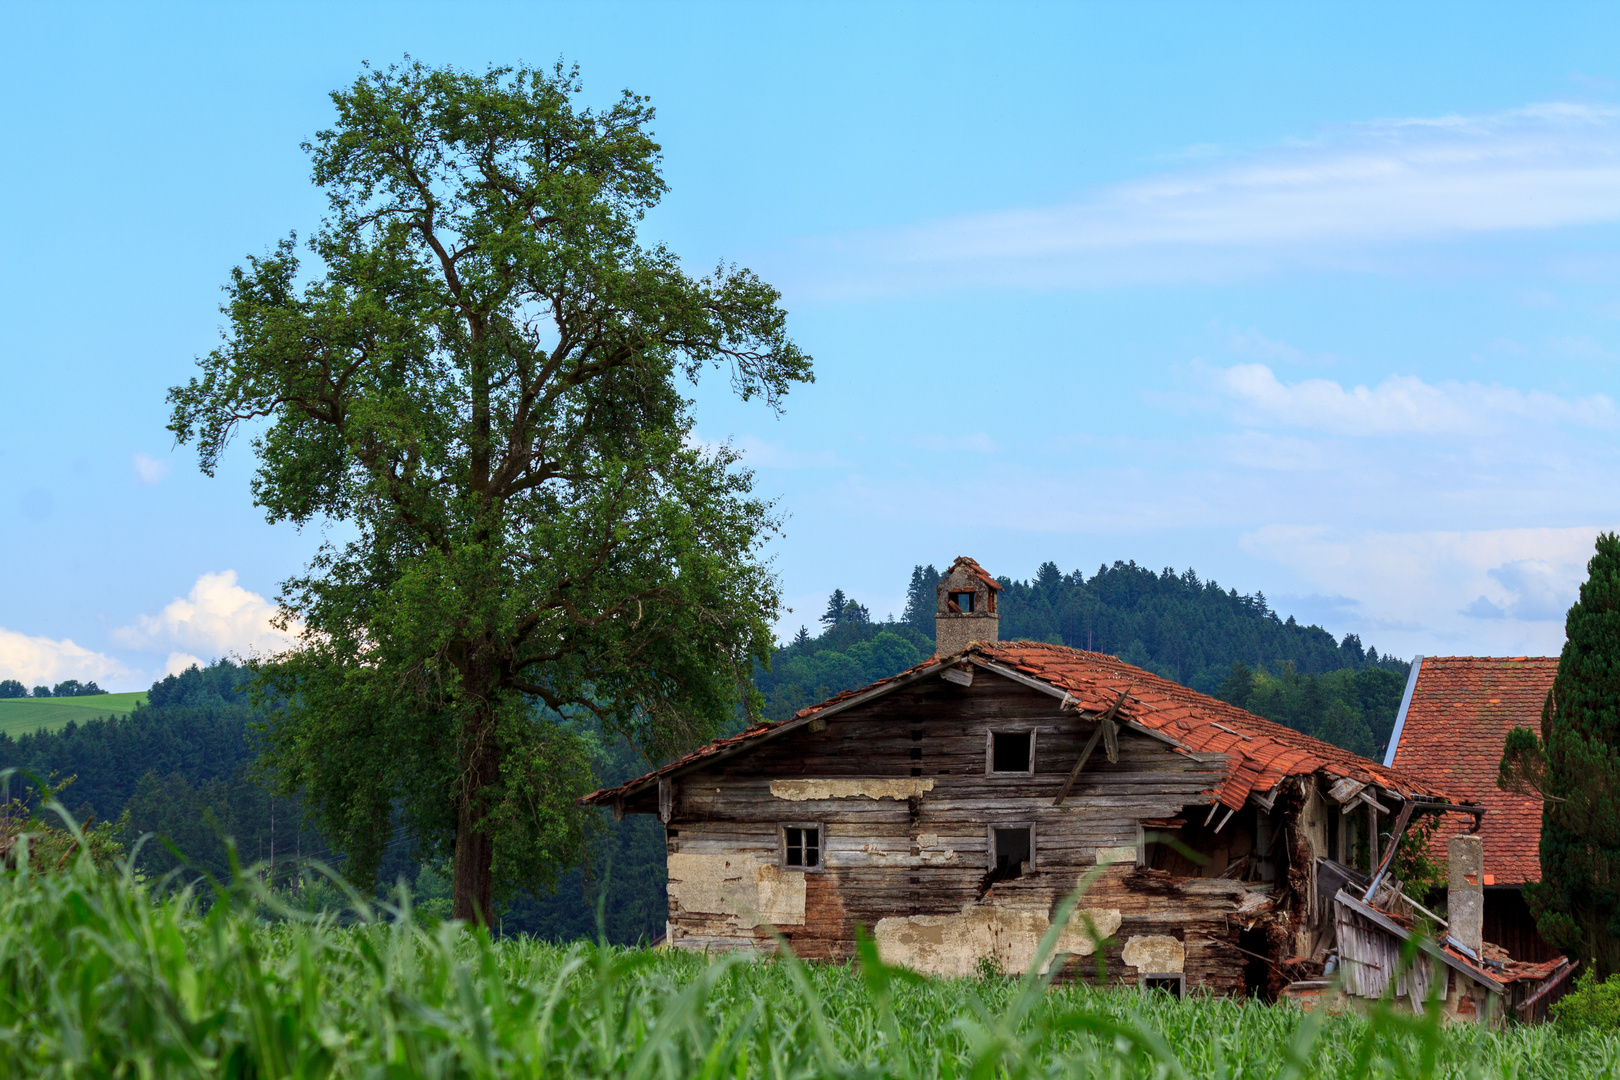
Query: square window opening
801,846
963,602
1169,984
1013,852
1009,752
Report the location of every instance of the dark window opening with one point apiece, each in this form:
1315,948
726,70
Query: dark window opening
916,734
803,845
1169,984
1012,852
1009,751
916,753
963,601
916,770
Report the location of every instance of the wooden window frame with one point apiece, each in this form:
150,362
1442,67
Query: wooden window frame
990,841
990,749
821,846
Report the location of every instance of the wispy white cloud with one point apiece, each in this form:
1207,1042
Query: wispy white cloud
1407,584
150,470
1327,201
762,453
218,616
1400,405
41,661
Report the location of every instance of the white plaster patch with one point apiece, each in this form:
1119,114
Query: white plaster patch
754,892
807,790
952,945
1155,953
1107,856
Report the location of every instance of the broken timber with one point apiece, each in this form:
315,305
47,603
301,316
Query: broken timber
1106,731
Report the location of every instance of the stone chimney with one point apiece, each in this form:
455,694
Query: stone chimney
966,609
1465,895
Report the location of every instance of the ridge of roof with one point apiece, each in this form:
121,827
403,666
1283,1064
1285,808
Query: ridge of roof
1260,752
975,569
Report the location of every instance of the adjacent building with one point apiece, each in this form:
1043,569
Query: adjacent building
1453,720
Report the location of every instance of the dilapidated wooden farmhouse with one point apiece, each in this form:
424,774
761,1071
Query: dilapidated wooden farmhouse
951,808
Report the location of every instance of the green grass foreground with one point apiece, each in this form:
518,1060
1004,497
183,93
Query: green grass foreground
21,716
98,978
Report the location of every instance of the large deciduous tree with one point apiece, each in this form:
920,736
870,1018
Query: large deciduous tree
480,375
1574,765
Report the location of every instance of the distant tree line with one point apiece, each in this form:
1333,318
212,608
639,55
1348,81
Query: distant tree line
182,768
11,688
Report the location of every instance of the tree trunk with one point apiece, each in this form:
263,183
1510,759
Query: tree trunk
472,889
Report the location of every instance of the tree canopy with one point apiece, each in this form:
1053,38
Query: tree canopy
481,375
1574,765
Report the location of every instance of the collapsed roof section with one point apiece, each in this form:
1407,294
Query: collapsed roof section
1260,753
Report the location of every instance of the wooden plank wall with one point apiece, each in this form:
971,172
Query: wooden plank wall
924,850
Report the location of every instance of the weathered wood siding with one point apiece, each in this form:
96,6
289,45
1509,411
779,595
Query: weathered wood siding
905,813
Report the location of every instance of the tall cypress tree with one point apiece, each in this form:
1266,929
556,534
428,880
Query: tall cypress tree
1575,765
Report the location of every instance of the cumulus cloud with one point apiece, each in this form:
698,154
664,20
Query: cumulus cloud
1400,405
217,617
1411,586
181,661
40,661
1354,189
149,470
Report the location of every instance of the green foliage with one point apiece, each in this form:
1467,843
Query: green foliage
1350,709
1420,873
1592,1006
11,688
922,600
483,375
105,980
74,688
848,654
36,832
1577,901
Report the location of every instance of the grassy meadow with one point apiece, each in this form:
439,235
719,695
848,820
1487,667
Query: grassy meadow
19,716
100,978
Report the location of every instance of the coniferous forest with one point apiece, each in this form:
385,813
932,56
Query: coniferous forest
182,768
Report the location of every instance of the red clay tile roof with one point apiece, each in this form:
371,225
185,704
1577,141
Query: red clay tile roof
1261,753
976,570
1462,709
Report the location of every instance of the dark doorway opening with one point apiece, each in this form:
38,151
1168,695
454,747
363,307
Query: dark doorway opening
1256,972
1013,850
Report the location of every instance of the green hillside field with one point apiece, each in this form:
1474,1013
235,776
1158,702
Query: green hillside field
20,716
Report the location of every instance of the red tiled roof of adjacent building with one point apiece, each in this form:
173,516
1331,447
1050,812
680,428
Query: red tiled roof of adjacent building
1261,753
1461,711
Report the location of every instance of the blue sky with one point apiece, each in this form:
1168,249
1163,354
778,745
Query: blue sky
1321,302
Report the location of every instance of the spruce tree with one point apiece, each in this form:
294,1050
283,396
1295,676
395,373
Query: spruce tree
835,608
921,599
1575,765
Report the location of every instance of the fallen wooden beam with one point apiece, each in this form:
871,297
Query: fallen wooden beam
1105,730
